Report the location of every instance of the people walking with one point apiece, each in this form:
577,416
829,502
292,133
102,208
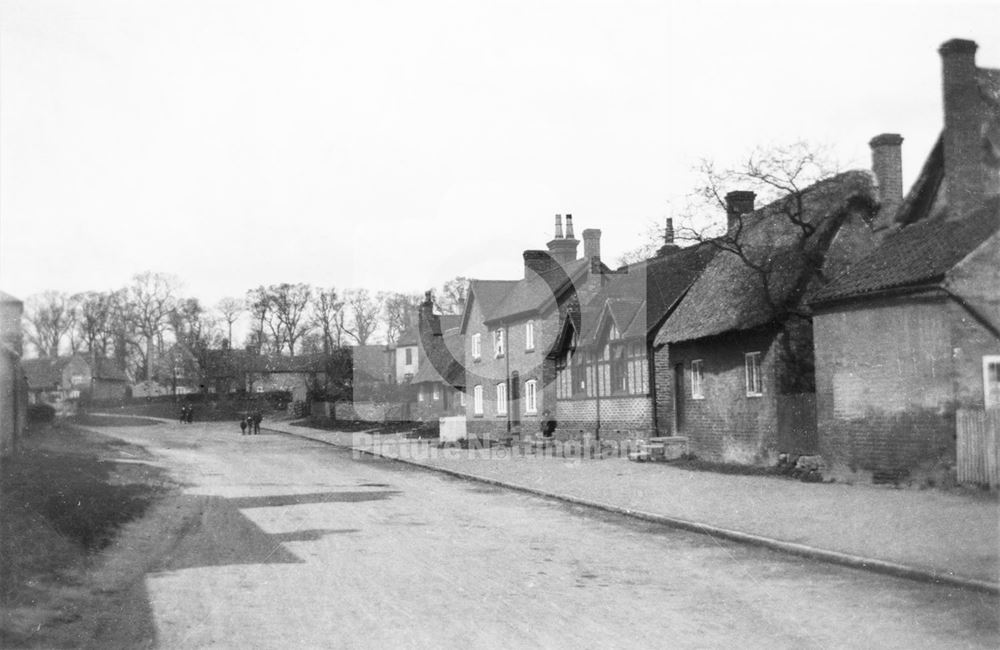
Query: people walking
183,413
190,414
243,426
257,417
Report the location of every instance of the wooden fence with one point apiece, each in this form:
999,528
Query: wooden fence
978,447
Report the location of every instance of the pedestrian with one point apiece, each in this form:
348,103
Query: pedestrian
257,417
243,426
547,426
190,414
183,413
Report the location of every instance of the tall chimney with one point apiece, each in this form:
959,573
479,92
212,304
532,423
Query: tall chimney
563,249
738,203
592,244
887,164
668,240
965,174
559,230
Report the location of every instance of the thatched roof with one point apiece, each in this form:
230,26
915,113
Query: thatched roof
730,296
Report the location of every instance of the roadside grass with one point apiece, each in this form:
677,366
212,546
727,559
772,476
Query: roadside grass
64,501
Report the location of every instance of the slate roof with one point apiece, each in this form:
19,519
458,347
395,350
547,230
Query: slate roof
729,296
639,297
533,293
916,255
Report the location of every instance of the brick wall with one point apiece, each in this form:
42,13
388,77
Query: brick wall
621,418
890,375
727,425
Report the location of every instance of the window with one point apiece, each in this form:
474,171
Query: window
697,380
580,372
754,387
498,343
477,400
437,392
409,356
531,396
619,378
502,398
420,394
529,335
477,346
991,381
461,398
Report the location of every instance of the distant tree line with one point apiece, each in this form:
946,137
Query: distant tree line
136,324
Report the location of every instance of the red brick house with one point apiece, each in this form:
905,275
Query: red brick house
604,378
76,377
733,361
510,329
439,382
911,333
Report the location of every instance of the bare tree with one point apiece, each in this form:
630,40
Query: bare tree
289,303
399,309
451,298
49,319
327,317
94,319
151,297
259,305
230,309
780,178
364,313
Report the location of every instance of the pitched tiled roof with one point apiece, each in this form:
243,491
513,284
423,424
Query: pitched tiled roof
44,373
533,293
915,255
729,296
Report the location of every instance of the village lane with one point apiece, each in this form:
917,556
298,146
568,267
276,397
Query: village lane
300,544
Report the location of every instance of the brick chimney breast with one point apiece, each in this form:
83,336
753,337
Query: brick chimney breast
537,262
738,202
887,165
965,175
592,244
564,249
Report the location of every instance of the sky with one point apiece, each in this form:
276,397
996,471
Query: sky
396,145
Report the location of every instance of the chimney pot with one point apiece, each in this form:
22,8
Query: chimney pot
559,230
569,227
738,203
668,232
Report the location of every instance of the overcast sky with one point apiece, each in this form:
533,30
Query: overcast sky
395,145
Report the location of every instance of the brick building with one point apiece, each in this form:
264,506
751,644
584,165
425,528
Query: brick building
440,379
80,376
13,385
912,332
510,329
604,379
733,362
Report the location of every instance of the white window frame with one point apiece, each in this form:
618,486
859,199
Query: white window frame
420,394
498,343
502,398
477,346
531,396
477,400
436,392
988,360
529,335
754,381
461,398
698,379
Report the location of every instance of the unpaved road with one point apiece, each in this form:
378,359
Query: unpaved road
292,543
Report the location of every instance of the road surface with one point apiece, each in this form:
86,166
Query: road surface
293,543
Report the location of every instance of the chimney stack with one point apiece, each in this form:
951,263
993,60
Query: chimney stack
537,262
668,240
887,165
559,230
592,244
563,249
738,203
965,174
